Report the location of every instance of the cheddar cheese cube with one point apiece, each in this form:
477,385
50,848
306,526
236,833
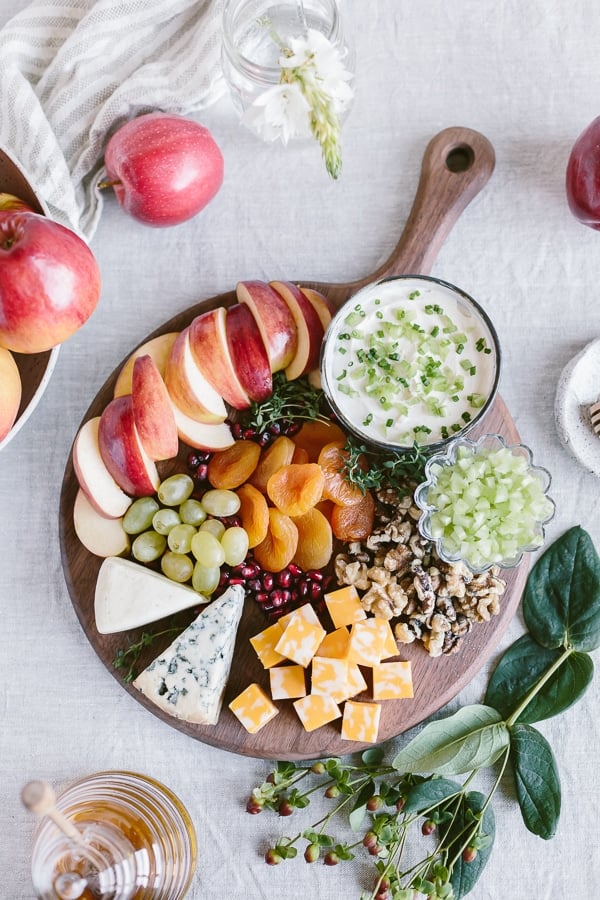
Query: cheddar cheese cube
356,683
287,682
264,645
330,677
306,611
300,640
315,710
344,606
392,681
335,644
253,708
390,647
361,722
369,641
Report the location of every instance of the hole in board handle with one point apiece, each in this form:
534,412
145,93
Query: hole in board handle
460,158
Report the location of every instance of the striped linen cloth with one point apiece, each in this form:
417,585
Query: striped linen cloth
73,71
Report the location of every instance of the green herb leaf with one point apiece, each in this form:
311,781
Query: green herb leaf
464,875
428,794
522,666
561,603
536,780
473,737
295,400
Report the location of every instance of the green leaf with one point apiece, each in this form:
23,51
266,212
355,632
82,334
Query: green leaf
536,780
523,665
357,815
373,756
561,603
464,875
429,794
472,738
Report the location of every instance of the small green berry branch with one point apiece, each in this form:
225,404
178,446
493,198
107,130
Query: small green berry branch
539,676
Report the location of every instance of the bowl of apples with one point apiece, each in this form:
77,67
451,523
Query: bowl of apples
39,306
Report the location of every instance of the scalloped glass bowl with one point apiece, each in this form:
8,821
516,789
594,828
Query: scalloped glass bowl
448,457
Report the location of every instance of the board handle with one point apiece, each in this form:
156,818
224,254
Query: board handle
457,163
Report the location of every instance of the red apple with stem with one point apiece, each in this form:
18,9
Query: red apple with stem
49,282
164,168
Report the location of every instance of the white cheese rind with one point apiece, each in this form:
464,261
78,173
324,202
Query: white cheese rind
189,678
129,596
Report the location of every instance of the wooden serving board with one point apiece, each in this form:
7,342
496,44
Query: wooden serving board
456,165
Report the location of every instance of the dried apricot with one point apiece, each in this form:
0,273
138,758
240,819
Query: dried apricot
300,455
254,513
315,540
332,460
313,436
273,457
229,468
277,550
296,488
354,523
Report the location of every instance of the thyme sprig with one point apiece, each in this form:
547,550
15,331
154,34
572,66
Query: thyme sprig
372,469
294,401
128,659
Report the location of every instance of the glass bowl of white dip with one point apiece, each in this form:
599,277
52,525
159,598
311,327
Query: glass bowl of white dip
410,360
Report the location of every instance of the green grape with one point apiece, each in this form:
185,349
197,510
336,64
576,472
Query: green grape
235,544
165,519
207,549
220,503
214,527
175,489
148,546
180,538
192,512
177,566
205,579
138,517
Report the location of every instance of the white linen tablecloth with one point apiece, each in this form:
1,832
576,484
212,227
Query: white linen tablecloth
526,75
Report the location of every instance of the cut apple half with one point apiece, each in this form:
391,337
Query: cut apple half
274,319
122,450
308,326
99,535
208,343
321,304
248,352
188,387
158,348
152,410
202,435
93,477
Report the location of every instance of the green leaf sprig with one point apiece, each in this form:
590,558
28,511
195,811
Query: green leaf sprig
128,659
539,676
293,401
372,469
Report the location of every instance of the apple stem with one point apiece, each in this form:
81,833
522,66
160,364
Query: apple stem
102,185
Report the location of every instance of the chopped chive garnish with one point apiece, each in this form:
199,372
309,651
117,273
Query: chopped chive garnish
379,314
389,423
466,417
368,419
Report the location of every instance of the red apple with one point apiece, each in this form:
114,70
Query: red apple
94,479
188,388
202,435
10,391
164,168
49,282
152,411
208,343
309,328
321,304
274,319
248,352
122,450
101,536
158,348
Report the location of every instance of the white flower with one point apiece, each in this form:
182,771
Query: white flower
323,64
281,112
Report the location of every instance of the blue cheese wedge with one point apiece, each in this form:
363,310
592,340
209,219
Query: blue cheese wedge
189,678
129,596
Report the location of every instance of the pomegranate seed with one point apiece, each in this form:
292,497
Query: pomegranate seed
254,585
250,570
277,598
293,428
264,439
284,579
268,581
304,588
294,570
294,596
201,472
262,597
236,580
315,591
194,460
315,575
224,578
275,428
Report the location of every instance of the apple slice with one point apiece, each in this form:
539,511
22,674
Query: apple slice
248,352
122,451
10,394
94,479
99,535
158,348
188,387
308,326
321,304
202,435
274,319
152,410
208,343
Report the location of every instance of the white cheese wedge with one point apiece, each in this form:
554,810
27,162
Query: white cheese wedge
189,678
129,596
